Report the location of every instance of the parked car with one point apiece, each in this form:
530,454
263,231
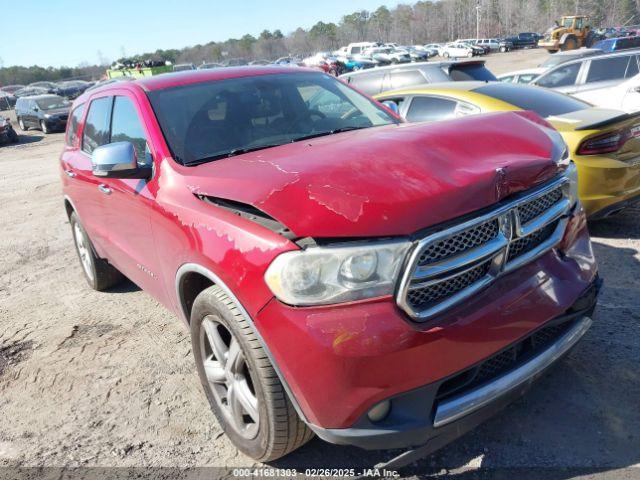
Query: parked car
433,49
207,66
617,44
567,56
577,77
7,133
600,141
524,40
399,76
11,88
236,62
386,55
30,91
458,50
45,112
260,62
357,48
7,101
72,89
472,42
493,44
320,263
181,67
50,87
422,52
505,45
522,76
416,53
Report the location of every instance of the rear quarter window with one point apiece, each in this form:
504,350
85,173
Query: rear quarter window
545,103
462,73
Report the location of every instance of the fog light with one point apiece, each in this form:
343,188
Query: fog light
380,411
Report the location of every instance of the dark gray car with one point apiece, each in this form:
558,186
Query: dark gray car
383,79
48,113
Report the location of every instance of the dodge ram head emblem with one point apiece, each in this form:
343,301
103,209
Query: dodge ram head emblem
501,182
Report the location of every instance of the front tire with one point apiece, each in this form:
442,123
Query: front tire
98,273
21,124
44,127
241,385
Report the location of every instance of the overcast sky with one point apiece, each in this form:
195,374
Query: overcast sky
69,32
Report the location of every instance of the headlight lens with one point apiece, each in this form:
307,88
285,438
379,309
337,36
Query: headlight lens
325,275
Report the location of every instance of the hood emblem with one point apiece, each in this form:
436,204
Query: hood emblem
501,182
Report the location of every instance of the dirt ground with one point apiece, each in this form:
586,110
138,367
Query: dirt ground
107,379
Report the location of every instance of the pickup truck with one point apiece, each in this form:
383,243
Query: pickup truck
524,40
341,273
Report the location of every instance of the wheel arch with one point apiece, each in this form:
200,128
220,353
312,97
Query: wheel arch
191,279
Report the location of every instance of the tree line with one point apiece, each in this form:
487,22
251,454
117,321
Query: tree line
418,23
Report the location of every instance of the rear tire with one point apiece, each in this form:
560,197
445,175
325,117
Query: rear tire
44,128
258,417
100,275
445,54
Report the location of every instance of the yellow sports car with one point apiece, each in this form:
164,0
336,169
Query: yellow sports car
603,143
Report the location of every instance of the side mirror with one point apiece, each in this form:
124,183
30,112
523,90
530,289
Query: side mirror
118,160
393,106
35,109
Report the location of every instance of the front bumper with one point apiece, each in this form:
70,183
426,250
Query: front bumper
421,418
56,124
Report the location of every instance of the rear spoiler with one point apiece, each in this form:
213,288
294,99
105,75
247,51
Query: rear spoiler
615,119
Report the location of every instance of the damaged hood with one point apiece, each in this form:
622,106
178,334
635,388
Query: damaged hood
386,181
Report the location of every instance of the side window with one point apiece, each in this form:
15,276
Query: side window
560,77
96,128
369,83
607,69
424,109
126,126
74,123
406,79
507,79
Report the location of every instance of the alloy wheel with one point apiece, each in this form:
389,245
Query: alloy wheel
229,377
82,244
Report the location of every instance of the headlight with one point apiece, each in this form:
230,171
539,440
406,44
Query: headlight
324,275
571,187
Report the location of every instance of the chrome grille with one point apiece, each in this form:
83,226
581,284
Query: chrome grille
466,240
422,297
526,244
530,210
451,265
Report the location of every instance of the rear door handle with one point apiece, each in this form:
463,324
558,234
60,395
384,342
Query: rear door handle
70,173
104,189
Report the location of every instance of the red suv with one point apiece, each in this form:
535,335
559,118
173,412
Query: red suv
342,273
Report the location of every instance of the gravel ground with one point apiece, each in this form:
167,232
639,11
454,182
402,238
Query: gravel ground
107,379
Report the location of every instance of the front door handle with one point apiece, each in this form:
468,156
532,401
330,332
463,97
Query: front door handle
104,189
70,173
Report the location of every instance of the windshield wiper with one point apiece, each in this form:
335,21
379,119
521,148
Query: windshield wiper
330,132
232,153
